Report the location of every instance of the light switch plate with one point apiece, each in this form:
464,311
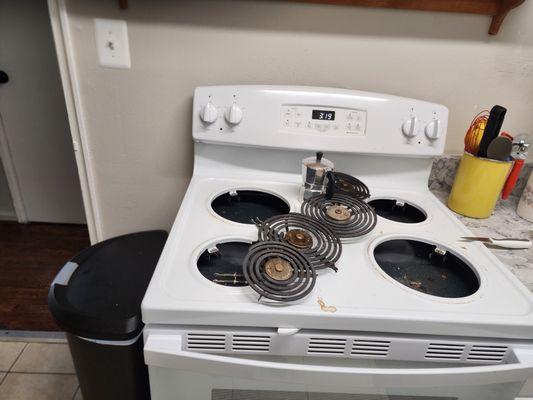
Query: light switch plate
112,43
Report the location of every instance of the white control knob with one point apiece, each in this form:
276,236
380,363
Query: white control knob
209,113
410,127
433,129
234,114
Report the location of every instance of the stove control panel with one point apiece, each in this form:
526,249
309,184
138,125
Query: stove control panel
320,119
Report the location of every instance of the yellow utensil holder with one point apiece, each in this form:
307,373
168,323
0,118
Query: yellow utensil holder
477,186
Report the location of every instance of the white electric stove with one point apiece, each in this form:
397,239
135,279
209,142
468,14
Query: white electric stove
364,331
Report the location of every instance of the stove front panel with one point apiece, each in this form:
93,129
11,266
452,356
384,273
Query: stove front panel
320,119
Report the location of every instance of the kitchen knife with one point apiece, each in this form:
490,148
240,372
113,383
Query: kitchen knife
505,243
492,130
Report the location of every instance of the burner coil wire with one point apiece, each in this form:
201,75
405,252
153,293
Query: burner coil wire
350,186
355,217
321,246
299,275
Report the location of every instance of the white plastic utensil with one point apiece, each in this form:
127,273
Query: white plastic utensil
507,243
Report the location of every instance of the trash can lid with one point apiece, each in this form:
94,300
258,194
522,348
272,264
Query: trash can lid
98,293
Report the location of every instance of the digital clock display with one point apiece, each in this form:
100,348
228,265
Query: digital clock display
324,115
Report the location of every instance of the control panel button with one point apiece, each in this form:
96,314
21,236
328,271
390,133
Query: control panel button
322,127
433,129
410,127
209,113
234,114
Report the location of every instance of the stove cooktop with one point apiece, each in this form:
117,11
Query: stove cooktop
406,272
377,287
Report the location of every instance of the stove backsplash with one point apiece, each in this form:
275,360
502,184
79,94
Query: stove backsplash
445,167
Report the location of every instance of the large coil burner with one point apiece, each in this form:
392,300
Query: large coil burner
350,186
346,216
321,246
278,272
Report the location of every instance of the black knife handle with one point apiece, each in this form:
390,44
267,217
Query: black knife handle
492,129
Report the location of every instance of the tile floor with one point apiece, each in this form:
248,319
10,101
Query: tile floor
37,371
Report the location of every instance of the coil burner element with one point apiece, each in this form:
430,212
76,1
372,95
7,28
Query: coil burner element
321,246
278,271
350,186
346,216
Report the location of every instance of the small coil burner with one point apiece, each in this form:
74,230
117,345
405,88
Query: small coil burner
278,272
321,246
346,216
350,186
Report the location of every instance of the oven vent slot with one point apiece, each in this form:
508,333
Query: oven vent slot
370,348
326,345
487,353
206,341
445,351
253,343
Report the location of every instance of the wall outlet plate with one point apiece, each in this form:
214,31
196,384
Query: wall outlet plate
112,43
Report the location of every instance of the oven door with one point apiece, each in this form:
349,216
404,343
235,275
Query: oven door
187,375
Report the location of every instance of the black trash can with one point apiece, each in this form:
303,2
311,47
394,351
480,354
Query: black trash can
96,298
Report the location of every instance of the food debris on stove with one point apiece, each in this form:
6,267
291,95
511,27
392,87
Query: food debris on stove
325,307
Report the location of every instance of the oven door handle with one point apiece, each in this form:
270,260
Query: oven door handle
165,350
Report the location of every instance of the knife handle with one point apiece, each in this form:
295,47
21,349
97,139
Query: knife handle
512,243
492,129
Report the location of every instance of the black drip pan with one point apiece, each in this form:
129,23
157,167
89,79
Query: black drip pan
245,206
398,210
426,268
222,263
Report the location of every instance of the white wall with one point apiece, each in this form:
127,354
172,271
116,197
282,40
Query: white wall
139,121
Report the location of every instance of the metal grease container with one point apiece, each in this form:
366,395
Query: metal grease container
317,175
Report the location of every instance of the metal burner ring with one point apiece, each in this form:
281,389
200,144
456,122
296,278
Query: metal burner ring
351,186
363,217
338,213
299,238
279,269
319,244
295,287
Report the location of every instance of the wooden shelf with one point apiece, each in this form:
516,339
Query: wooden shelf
498,9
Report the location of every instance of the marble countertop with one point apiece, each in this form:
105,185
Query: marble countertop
503,223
